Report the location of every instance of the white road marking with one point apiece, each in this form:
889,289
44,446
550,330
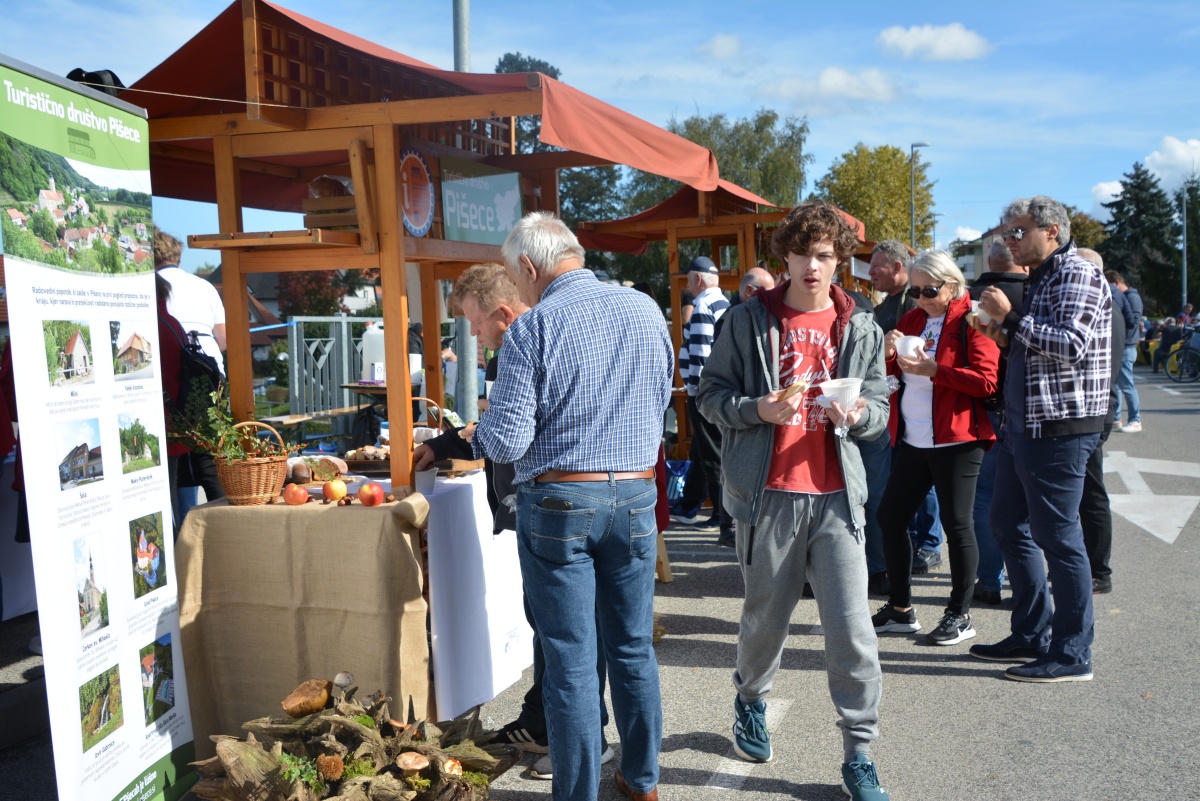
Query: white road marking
1170,391
730,772
1164,516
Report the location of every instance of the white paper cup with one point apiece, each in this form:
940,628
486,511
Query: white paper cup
426,479
844,390
909,347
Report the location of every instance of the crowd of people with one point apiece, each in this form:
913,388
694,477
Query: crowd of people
979,418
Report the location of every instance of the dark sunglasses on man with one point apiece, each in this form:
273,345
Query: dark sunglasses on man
930,292
1017,234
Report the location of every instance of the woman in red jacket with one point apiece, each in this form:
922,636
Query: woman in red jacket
940,430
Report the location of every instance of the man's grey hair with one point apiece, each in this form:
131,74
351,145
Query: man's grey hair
938,265
707,279
543,239
894,250
1087,254
1000,253
1044,211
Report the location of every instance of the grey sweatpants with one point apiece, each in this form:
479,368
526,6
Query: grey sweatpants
799,535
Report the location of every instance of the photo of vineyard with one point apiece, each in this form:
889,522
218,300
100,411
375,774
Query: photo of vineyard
100,709
50,213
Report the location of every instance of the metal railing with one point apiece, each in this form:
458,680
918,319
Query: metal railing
320,364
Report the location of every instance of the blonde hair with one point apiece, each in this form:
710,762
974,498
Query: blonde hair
938,265
489,284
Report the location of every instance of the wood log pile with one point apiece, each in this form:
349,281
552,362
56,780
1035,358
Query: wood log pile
334,746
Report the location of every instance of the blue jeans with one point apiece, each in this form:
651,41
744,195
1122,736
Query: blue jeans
877,460
991,562
1042,480
587,566
1126,390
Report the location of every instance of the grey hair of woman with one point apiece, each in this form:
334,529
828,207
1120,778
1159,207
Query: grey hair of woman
938,265
1044,211
543,239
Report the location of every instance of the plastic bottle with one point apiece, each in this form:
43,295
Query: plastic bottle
372,352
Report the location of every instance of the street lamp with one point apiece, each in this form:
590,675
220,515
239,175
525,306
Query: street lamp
912,192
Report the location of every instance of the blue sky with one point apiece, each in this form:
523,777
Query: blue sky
1057,98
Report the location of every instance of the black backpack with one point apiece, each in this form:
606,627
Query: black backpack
199,378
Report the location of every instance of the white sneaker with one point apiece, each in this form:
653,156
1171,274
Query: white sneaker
544,768
1132,428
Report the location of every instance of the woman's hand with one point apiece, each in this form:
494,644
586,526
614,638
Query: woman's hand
777,412
889,343
921,364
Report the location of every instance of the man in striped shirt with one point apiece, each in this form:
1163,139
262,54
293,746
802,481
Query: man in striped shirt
582,384
708,307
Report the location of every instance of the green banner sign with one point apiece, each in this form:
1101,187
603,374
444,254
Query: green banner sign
72,124
479,203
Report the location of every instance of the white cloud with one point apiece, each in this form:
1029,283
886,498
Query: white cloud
967,234
1174,160
722,47
951,42
836,84
1104,192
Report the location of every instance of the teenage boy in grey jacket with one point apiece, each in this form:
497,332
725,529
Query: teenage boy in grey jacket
794,480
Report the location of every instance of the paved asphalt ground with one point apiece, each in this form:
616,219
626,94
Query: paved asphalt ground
951,728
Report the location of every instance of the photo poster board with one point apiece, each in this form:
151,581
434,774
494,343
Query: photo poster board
479,203
83,319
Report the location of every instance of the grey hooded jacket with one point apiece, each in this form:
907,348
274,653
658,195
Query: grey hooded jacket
744,366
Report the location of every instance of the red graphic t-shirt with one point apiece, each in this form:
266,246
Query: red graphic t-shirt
805,456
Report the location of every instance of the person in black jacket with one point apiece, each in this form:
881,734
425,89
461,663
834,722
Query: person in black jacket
1010,279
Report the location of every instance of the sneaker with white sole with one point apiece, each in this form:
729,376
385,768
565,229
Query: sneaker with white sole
954,628
517,734
1132,428
888,618
861,782
544,767
751,740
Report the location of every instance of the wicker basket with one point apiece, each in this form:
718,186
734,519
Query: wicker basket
254,481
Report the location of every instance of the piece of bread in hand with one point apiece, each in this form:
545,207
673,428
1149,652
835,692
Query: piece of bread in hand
793,389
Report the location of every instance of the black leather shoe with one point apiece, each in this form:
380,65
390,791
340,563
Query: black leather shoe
925,560
985,596
1101,586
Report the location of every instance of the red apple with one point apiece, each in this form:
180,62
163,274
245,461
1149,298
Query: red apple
295,495
370,494
334,490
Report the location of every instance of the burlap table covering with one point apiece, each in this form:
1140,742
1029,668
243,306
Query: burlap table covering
270,596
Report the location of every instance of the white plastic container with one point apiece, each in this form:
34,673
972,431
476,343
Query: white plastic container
372,353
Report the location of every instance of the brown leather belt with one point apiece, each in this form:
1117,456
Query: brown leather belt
565,476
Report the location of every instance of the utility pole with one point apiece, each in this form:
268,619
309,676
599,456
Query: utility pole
466,388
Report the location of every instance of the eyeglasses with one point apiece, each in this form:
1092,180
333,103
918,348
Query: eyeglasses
1017,234
930,292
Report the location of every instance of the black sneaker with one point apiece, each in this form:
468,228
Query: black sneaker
888,618
1101,586
726,539
516,734
1010,649
877,584
925,560
1046,671
954,628
986,596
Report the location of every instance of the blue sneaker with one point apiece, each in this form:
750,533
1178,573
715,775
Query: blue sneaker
750,737
861,782
689,517
1047,670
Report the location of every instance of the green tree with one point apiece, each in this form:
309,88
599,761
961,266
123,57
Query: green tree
873,184
1142,233
1086,230
42,225
1191,189
527,128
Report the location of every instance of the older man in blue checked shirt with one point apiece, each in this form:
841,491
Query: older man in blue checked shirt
583,380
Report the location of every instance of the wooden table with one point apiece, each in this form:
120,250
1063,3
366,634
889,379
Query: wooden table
270,596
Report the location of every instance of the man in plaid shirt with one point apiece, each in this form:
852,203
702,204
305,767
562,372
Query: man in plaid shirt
1056,395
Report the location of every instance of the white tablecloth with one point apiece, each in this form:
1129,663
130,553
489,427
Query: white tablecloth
480,640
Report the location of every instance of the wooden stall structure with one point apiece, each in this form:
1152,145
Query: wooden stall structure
306,100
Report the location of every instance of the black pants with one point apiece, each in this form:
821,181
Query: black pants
706,455
953,471
204,475
1095,516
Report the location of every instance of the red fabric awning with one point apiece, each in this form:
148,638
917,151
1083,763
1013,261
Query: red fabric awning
206,76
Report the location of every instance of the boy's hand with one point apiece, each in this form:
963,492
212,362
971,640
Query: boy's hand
775,409
841,417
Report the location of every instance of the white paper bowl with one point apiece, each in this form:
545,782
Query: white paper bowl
845,390
909,347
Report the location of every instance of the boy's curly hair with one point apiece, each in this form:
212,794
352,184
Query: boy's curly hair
809,223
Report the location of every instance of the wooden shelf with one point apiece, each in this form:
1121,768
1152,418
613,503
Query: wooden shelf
308,237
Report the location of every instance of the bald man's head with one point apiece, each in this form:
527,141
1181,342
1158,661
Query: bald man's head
755,278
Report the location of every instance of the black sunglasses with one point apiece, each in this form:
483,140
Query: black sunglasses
930,292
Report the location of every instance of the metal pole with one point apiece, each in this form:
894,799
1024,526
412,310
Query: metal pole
1185,226
466,388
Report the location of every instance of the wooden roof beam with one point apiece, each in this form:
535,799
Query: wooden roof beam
204,157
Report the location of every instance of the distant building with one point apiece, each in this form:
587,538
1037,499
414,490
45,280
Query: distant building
50,199
149,670
74,466
134,352
92,594
18,219
95,466
79,360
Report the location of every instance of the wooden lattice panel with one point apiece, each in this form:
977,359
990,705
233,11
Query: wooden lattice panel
306,70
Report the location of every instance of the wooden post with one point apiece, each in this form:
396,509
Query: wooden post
435,387
233,282
395,302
